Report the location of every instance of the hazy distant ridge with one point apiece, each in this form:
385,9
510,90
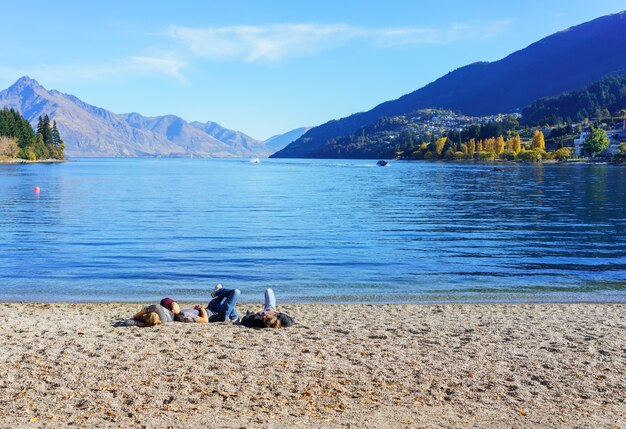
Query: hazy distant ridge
279,141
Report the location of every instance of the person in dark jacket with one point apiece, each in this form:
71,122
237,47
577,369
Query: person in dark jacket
269,316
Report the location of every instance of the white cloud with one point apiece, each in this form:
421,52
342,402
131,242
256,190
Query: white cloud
422,36
281,41
250,43
270,42
168,66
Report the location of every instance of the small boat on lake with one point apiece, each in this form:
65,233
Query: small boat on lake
382,163
255,160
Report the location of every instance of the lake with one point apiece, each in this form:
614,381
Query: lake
314,230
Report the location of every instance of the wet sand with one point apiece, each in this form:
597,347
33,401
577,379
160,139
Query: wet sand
341,366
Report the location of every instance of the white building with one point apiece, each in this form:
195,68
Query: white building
579,142
615,138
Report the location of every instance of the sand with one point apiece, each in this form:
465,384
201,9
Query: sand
342,366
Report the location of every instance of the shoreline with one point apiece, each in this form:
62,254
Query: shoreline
343,365
248,302
36,161
575,161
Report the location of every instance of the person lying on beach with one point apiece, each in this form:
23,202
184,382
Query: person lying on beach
223,304
221,308
142,319
150,315
269,316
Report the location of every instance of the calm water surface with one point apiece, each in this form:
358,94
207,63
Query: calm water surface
316,231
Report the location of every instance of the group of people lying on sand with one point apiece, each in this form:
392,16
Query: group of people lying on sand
220,309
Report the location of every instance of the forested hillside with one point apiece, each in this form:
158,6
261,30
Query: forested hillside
600,100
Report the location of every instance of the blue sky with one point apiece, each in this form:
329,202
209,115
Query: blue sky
265,67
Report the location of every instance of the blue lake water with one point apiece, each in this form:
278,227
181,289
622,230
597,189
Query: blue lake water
314,230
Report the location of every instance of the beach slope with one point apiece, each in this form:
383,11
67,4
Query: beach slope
343,366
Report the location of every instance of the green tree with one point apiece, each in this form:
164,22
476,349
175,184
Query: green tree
596,142
58,146
45,130
40,148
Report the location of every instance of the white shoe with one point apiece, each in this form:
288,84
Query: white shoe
217,287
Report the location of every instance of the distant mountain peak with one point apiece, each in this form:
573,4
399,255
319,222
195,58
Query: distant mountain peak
25,82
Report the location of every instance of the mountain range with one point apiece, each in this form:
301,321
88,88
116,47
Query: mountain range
96,132
565,61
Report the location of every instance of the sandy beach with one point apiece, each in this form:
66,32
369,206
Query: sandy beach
343,366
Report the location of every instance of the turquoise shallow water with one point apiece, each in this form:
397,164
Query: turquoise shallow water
314,230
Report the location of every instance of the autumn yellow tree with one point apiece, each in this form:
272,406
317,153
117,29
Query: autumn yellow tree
472,148
439,144
499,146
538,142
516,144
489,144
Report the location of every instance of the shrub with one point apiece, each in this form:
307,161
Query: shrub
508,155
418,154
620,156
8,147
529,156
459,155
562,154
449,154
485,155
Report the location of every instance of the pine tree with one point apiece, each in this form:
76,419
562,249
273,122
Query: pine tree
12,124
47,140
57,143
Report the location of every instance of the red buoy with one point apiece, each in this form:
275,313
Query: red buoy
37,189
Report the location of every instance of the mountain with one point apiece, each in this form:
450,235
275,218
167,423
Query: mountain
92,131
279,141
564,61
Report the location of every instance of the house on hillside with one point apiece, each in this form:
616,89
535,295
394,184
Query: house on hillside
579,142
615,138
